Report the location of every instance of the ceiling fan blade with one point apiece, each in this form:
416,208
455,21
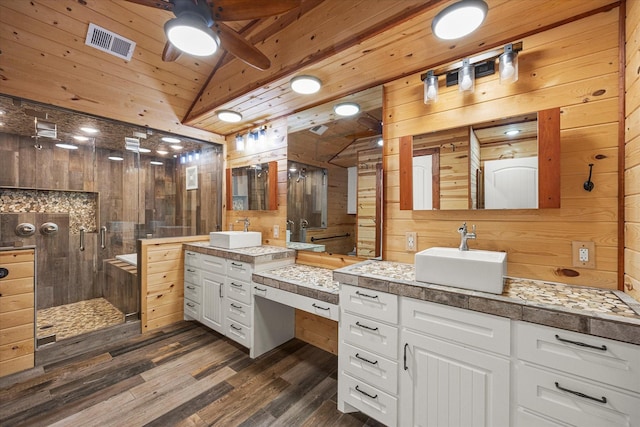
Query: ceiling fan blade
241,10
236,45
170,53
158,4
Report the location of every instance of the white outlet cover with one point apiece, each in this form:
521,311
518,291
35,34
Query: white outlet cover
276,231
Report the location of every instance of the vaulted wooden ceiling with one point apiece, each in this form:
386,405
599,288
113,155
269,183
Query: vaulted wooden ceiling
350,45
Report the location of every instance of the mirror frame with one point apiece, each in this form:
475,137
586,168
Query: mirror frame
548,163
273,187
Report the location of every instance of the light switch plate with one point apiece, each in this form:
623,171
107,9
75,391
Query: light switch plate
276,231
583,254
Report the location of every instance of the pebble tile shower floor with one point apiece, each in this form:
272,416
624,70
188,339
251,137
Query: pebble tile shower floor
69,320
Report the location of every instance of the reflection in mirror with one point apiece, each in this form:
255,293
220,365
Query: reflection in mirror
250,187
306,200
491,165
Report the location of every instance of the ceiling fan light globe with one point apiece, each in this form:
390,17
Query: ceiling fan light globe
190,34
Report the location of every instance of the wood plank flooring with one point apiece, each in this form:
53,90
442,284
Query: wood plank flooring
185,375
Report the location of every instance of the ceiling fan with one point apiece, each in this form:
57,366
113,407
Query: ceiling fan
198,30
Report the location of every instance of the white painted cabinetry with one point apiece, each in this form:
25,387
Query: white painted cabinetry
454,366
204,278
238,307
368,353
565,378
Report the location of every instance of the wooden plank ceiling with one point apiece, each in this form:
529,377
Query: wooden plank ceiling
351,45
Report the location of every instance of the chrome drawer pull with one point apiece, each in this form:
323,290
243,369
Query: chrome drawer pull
235,285
577,393
259,289
581,344
191,305
367,327
365,360
235,306
321,308
360,294
366,394
191,287
235,327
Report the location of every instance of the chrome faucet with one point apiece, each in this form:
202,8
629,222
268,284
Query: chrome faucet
304,223
246,223
464,236
290,223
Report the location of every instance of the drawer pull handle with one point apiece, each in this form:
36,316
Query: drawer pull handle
366,360
191,287
235,327
190,270
321,308
404,362
235,285
236,264
366,394
360,294
581,344
259,289
235,306
366,327
577,393
191,305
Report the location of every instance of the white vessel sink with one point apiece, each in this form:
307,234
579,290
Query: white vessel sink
235,239
473,269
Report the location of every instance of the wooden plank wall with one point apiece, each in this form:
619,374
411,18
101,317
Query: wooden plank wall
632,151
574,67
275,149
366,193
161,278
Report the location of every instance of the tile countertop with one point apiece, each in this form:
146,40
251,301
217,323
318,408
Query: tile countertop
312,282
600,312
253,254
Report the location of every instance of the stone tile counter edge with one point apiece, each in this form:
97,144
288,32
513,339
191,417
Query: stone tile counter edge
272,279
624,328
256,255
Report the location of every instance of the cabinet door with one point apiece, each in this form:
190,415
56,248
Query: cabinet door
443,384
212,285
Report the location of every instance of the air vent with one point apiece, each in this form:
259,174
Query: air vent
110,42
46,129
131,144
319,130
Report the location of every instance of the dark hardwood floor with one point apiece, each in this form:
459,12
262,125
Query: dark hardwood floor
185,375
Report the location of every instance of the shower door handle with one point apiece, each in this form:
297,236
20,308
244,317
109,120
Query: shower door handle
103,237
82,231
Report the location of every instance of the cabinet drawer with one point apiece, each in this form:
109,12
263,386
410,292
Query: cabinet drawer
193,292
239,270
238,290
192,259
599,359
310,305
214,264
239,333
192,310
540,391
238,312
375,370
369,400
369,334
378,305
191,275
480,330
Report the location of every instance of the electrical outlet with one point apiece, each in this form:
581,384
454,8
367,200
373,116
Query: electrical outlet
411,241
276,231
584,254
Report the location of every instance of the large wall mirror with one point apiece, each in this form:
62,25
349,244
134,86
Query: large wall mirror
348,151
506,163
253,187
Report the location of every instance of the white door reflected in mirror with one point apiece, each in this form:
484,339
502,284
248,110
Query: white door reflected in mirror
511,183
422,183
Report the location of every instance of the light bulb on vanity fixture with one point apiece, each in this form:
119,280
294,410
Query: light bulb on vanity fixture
508,65
466,77
430,87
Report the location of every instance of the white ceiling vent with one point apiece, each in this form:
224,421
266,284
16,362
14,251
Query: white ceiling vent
110,42
319,130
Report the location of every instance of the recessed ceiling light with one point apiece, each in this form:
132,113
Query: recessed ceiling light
170,139
153,162
116,158
229,116
346,109
162,152
512,132
67,146
305,84
177,147
87,129
459,19
80,138
144,150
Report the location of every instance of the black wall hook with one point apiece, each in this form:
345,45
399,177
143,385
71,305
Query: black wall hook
588,184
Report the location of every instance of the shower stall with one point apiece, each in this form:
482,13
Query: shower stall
83,199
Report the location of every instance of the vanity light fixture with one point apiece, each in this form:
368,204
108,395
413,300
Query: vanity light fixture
170,139
508,65
67,146
305,84
239,142
189,31
430,87
229,116
459,19
346,109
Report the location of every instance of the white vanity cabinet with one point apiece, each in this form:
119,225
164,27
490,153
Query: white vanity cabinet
238,304
565,378
192,286
368,353
204,277
454,366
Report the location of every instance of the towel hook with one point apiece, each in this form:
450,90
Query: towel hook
588,184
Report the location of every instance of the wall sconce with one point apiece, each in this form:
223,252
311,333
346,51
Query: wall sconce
430,87
463,73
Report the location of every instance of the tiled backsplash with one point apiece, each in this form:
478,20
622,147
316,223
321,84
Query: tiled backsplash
81,206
